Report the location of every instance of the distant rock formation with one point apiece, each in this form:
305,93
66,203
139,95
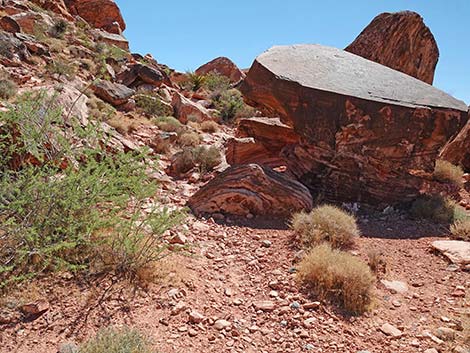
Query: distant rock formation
223,66
400,41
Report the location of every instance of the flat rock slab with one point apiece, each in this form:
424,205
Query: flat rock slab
458,252
395,286
251,189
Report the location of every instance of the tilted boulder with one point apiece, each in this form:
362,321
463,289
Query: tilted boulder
457,151
184,109
251,189
112,93
102,14
136,74
400,41
247,150
222,66
367,133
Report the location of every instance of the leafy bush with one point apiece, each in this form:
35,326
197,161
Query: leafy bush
112,340
63,207
8,88
339,276
207,157
194,81
436,208
168,124
59,28
446,172
215,82
325,224
460,230
209,126
229,103
188,138
153,106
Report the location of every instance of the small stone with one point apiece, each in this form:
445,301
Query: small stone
295,305
68,347
195,317
445,333
432,350
267,243
274,294
309,347
222,324
192,332
237,302
178,308
308,323
178,239
311,305
391,330
36,308
395,286
228,292
265,305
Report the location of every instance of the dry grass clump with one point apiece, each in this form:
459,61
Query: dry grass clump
377,262
8,88
326,224
207,157
436,208
113,340
460,230
188,139
126,125
446,172
168,124
209,126
337,275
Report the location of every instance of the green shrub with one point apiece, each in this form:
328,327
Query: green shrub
59,29
207,158
71,207
437,208
168,124
187,139
112,340
338,275
215,82
446,172
326,224
209,126
62,68
8,88
460,230
194,81
229,103
153,106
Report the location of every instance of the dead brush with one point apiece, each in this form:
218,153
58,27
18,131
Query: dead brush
446,172
377,261
339,276
209,126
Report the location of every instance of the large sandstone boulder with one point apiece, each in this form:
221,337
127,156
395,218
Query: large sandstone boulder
458,252
136,74
222,66
367,133
457,151
400,41
185,109
112,93
251,189
102,14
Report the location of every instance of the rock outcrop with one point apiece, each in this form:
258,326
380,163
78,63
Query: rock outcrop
104,14
400,41
112,93
222,66
137,74
186,109
458,252
457,151
367,133
57,6
251,189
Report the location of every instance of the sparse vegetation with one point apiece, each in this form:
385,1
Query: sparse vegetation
377,262
112,340
194,81
437,208
229,103
59,29
188,138
100,110
215,82
326,224
207,157
8,88
183,161
446,172
62,68
338,275
56,216
153,106
168,124
460,230
209,126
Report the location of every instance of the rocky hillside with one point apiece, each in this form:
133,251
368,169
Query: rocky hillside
315,202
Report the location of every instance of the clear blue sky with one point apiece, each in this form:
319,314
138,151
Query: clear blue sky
186,34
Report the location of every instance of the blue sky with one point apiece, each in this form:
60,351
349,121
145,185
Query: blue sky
187,34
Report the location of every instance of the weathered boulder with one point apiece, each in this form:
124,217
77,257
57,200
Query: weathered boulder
222,66
185,109
111,38
458,252
8,24
136,74
57,6
251,189
102,14
247,150
13,49
367,133
112,93
400,41
457,151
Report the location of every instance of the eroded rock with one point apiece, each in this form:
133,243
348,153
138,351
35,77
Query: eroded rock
185,109
112,93
458,252
222,66
102,14
400,41
457,151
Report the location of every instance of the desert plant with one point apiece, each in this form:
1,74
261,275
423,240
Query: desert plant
100,110
194,81
209,126
207,157
377,261
215,82
63,206
62,68
188,138
437,208
460,230
153,106
112,340
325,224
8,88
446,172
183,161
338,275
59,28
168,124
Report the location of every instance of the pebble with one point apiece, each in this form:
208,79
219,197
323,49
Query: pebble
445,333
391,330
395,286
267,243
196,317
222,324
295,305
265,305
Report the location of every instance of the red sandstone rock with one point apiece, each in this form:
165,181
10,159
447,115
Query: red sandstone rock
113,93
185,108
400,41
98,13
8,24
251,189
457,151
223,66
57,6
360,139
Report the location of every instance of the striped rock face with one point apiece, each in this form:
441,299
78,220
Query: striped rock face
366,132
